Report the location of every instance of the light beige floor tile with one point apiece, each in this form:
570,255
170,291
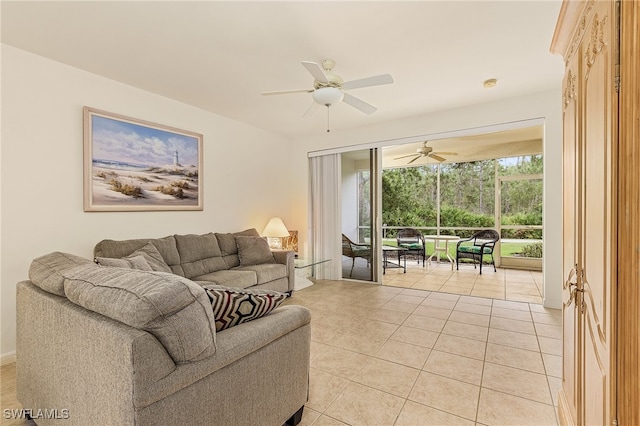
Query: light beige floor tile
500,409
553,365
475,301
494,294
510,380
399,306
555,384
469,318
415,336
444,296
340,362
414,414
512,325
417,293
425,323
404,353
432,311
461,346
462,291
385,315
405,298
449,395
427,285
550,346
546,330
375,329
359,404
439,303
361,343
513,339
470,331
507,304
326,334
323,389
328,421
388,377
523,297
455,367
308,416
547,318
473,308
510,313
515,357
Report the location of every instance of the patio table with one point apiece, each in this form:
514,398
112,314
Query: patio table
439,248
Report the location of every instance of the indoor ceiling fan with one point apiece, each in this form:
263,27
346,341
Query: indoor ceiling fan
329,88
427,151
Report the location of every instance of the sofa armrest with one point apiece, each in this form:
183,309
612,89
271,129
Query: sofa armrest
287,258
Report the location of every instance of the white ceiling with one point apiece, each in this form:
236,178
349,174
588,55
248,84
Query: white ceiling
220,56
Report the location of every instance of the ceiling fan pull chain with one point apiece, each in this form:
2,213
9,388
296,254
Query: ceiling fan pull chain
328,119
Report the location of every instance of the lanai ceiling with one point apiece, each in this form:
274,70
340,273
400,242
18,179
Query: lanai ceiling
220,56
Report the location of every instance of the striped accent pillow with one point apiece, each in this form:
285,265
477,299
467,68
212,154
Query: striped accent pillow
233,306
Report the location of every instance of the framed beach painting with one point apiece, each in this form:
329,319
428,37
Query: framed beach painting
135,165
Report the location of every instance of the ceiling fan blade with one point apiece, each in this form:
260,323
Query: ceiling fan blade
444,153
414,159
286,92
359,104
312,108
316,71
437,157
407,156
376,80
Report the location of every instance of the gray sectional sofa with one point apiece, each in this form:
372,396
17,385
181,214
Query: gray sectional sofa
105,345
231,259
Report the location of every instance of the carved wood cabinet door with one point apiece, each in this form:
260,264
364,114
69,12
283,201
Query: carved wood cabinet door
590,110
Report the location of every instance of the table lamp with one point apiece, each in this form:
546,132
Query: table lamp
275,231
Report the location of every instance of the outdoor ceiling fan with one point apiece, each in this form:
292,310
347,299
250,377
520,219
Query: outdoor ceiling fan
427,151
330,89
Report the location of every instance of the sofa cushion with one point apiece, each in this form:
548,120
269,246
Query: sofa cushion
233,306
265,273
166,247
130,262
47,272
254,251
153,258
199,254
229,248
172,308
232,278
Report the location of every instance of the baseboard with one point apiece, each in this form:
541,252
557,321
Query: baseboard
8,358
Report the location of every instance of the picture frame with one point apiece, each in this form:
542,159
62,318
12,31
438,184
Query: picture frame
137,165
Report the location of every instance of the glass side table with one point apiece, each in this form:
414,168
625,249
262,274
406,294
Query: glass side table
305,268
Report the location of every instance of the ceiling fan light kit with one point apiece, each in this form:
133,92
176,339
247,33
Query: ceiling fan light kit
329,88
328,96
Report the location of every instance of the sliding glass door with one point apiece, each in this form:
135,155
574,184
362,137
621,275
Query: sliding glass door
360,212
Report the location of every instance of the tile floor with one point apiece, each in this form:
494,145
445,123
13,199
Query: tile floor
386,355
393,355
506,284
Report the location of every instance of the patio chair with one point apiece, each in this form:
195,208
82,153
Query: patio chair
413,241
478,245
354,250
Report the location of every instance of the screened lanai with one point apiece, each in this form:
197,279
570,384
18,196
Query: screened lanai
487,181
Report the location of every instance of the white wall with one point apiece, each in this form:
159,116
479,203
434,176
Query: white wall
41,170
545,106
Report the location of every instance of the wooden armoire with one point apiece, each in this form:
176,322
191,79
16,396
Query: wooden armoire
600,43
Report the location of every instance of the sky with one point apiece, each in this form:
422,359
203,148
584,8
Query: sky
118,140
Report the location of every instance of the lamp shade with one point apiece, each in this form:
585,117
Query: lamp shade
328,96
275,229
